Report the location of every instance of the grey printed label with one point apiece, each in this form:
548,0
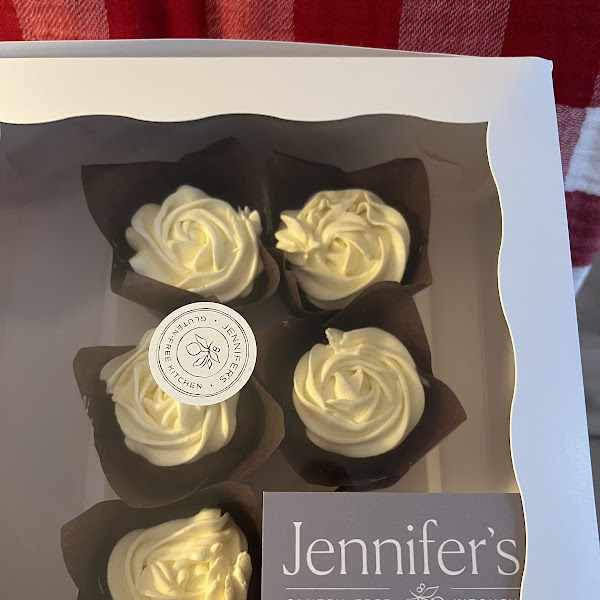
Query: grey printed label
387,546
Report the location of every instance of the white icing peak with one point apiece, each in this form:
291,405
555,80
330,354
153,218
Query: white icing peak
360,395
341,242
204,557
163,430
197,243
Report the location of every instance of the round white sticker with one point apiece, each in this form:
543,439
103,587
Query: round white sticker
202,353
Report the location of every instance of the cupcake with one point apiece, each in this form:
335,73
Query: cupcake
337,233
154,449
206,546
360,402
342,241
159,428
185,231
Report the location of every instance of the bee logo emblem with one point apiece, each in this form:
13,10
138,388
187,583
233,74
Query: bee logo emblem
207,352
425,593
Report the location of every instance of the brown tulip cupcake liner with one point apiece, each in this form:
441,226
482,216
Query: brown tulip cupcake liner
138,482
115,192
88,540
386,306
401,184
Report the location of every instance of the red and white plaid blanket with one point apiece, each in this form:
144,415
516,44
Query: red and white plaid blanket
565,31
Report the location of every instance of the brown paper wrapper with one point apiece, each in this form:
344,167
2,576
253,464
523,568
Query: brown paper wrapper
139,483
88,540
387,306
114,193
400,183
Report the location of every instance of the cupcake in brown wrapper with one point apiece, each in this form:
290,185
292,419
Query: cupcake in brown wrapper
399,186
139,480
88,540
385,306
221,173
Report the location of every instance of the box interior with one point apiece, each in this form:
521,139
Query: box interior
56,298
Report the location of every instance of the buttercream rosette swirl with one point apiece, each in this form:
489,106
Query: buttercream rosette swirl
360,395
197,243
163,430
342,241
204,557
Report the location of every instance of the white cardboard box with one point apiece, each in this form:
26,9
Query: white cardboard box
521,346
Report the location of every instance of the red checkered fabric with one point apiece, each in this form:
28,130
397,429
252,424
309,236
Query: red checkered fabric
565,31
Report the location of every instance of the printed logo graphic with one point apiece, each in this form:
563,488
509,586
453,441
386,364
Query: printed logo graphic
207,352
425,593
202,353
203,350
